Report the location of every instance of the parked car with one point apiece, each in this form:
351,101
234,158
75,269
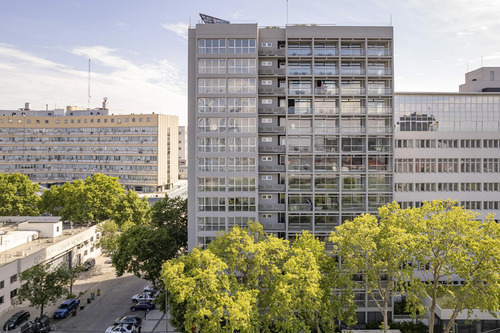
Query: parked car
89,263
135,320
67,307
122,328
39,325
151,288
145,296
17,319
142,306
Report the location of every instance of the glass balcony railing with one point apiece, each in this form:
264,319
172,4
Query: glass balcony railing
272,110
271,168
293,52
272,129
326,71
353,110
272,71
272,207
325,149
379,71
320,130
326,91
299,130
326,52
326,110
271,90
299,110
334,207
377,129
352,52
353,71
379,52
273,187
299,91
379,110
272,149
352,91
299,71
301,207
379,91
299,149
353,129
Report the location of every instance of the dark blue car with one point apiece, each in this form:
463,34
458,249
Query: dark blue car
142,306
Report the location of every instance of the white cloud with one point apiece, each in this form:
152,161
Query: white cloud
131,87
180,29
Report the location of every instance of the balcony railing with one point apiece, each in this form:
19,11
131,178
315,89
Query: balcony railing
301,149
272,110
383,129
326,91
379,91
274,187
300,207
352,52
272,71
353,110
299,110
272,149
325,149
353,71
352,91
326,110
321,130
297,72
271,90
272,52
299,130
379,71
379,110
321,71
299,52
272,168
379,52
299,226
299,91
272,129
352,129
272,208
326,52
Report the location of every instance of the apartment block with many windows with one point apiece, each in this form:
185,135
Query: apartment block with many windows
289,126
58,146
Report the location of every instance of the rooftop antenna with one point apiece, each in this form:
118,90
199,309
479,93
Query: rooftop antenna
88,102
391,20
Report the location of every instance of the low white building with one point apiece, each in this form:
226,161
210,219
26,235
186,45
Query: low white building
27,241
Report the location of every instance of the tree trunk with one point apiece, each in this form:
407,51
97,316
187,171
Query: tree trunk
432,310
385,316
41,311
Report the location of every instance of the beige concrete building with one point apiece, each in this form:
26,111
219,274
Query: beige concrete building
57,146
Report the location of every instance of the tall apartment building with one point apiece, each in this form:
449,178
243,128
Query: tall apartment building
58,146
289,126
183,153
447,145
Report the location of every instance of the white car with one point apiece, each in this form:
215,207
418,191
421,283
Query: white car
122,328
150,288
143,297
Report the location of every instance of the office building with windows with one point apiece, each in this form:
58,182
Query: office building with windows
58,146
290,126
447,145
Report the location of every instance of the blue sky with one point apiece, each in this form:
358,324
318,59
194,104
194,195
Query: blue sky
139,48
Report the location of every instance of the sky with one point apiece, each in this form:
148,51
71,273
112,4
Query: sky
138,49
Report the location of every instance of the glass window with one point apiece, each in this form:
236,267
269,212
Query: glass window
212,86
241,46
211,46
208,105
242,85
211,66
242,66
242,105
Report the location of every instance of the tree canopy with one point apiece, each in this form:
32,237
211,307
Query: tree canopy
18,195
42,285
253,282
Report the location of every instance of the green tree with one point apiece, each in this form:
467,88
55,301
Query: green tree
453,241
108,241
18,195
41,285
269,285
73,274
171,213
91,201
375,253
131,208
141,250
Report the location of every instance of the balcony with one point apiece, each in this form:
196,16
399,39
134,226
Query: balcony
274,187
326,52
271,91
352,52
299,110
326,110
272,129
299,226
353,129
271,52
353,91
353,110
299,72
382,129
379,71
379,91
272,71
305,52
379,110
326,91
307,207
321,71
299,149
272,110
322,130
272,149
353,71
272,168
299,91
379,52
299,130
272,208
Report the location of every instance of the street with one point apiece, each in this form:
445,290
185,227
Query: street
114,301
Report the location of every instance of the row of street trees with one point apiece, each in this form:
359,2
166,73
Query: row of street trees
139,238
252,282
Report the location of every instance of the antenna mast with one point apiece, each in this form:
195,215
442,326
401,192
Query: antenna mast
88,105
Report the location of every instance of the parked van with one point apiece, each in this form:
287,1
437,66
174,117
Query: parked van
89,263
